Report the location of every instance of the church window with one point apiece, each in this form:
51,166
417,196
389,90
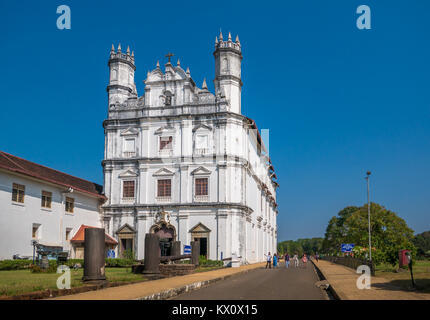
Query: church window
70,204
46,199
166,143
168,100
164,188
35,232
225,65
128,189
129,147
201,186
68,233
18,192
201,142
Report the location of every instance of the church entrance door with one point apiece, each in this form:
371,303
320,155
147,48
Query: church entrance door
166,236
203,246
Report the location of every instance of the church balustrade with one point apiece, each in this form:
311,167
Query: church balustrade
200,152
203,198
163,199
128,199
129,154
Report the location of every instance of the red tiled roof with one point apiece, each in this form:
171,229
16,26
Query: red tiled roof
80,236
15,164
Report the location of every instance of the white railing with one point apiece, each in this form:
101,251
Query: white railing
128,199
200,151
163,199
129,154
204,198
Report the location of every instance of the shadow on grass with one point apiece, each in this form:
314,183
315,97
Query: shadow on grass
422,285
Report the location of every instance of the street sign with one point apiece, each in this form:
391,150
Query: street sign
187,249
347,247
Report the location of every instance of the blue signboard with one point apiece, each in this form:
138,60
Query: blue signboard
187,249
347,247
111,254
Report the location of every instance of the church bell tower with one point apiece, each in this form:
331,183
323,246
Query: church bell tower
121,80
228,59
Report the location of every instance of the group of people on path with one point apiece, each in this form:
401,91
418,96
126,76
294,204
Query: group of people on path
296,261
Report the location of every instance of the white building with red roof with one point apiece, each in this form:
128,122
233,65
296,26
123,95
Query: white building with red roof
43,204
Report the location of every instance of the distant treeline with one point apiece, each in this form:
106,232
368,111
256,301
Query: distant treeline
300,246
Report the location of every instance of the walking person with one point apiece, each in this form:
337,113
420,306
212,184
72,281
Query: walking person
296,260
269,260
275,260
304,259
317,256
287,260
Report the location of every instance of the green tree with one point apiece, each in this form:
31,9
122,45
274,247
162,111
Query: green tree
389,232
422,243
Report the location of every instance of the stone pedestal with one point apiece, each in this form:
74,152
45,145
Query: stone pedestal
152,255
176,248
94,255
195,252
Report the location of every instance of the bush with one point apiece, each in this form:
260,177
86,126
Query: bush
209,263
15,264
51,269
118,263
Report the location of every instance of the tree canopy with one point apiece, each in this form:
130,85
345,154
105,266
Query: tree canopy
389,232
308,246
422,242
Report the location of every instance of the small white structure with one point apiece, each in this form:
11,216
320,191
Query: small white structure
43,204
185,163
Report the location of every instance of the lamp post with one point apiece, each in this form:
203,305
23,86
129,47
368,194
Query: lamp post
368,215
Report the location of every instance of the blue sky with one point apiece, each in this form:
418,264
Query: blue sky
338,101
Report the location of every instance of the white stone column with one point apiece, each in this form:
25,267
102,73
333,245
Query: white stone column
140,237
222,219
185,177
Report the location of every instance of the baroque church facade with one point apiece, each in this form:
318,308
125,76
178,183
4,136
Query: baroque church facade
185,163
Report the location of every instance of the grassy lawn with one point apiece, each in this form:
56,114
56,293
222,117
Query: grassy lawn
23,281
421,271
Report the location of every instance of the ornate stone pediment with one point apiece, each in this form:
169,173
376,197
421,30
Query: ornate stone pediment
130,132
201,171
200,228
202,126
163,130
126,228
163,172
128,174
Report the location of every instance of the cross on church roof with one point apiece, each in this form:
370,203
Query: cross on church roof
169,55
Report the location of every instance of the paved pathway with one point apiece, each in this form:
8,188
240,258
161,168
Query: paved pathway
343,280
166,286
263,284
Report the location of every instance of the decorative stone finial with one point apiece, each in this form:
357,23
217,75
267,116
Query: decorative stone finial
128,50
220,35
112,50
158,64
204,85
237,39
229,36
178,63
188,71
119,48
132,54
216,40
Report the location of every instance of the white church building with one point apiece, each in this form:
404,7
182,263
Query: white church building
185,163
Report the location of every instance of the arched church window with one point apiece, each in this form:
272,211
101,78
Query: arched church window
168,98
224,65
